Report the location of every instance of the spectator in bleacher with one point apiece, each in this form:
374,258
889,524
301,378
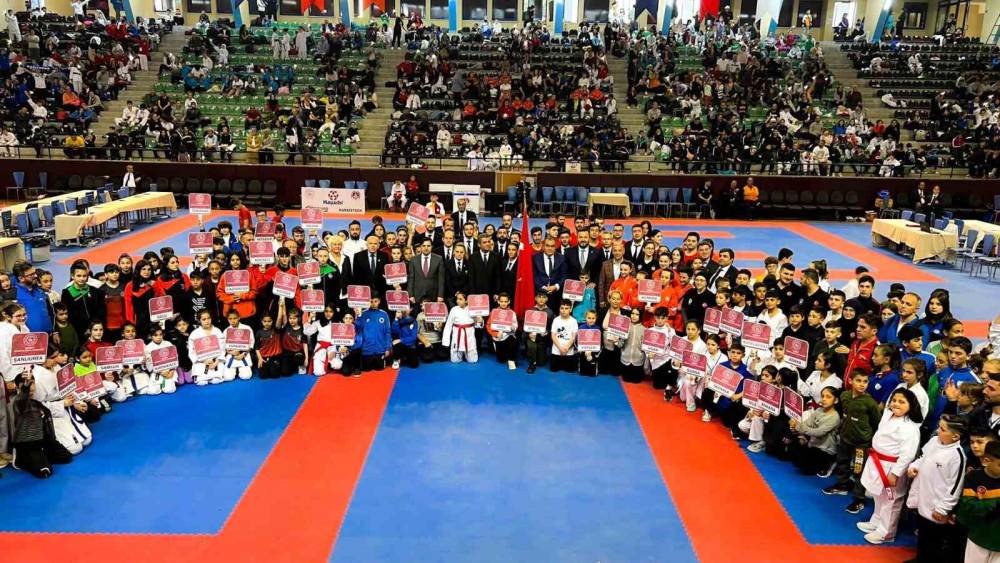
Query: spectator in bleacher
13,28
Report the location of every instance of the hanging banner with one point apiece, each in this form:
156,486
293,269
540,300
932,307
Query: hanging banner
334,200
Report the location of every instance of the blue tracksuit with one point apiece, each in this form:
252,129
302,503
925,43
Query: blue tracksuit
589,303
881,385
405,330
725,402
940,402
375,329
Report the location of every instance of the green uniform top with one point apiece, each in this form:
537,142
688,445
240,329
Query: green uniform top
979,509
860,418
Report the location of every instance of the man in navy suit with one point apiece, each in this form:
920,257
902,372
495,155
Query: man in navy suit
583,257
549,270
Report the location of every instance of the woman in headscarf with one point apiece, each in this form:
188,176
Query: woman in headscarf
137,296
172,281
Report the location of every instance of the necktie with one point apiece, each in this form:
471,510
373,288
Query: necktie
371,260
510,266
549,266
427,265
484,258
447,253
583,256
459,266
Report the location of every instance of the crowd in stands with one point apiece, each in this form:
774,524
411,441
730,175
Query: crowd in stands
508,97
59,72
881,377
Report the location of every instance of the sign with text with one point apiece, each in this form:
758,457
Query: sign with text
435,312
573,290
654,342
200,204
238,339
535,321
199,243
359,296
694,364
793,404
265,231
756,336
237,281
649,291
679,345
312,218
28,348
261,252
109,358
724,381
207,348
397,300
588,340
395,273
66,380
133,351
313,300
713,320
769,399
479,305
309,273
731,322
161,308
164,359
342,334
285,284
334,200
618,325
417,214
751,394
797,352
89,386
502,320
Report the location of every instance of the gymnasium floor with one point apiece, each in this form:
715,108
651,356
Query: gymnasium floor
453,463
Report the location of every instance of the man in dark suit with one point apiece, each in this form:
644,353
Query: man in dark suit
425,275
583,258
633,252
431,232
468,237
456,276
366,265
484,268
705,249
463,215
725,269
549,269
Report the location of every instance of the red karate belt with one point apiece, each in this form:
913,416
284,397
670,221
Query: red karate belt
879,457
465,337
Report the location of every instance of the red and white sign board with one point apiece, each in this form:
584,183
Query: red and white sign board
285,284
769,398
359,296
342,334
161,308
535,321
618,325
713,320
199,243
395,273
655,342
678,346
238,339
28,348
649,291
573,290
312,218
417,214
66,380
313,300
751,394
756,336
265,231
588,340
109,358
207,348
309,273
397,300
479,305
794,404
694,364
502,320
261,252
732,322
200,204
133,351
237,281
90,386
724,381
435,312
797,352
164,359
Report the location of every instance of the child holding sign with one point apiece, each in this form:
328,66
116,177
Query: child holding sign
429,345
504,337
589,300
692,333
35,448
535,343
70,429
208,369
134,378
610,360
237,363
459,332
590,359
404,340
633,359
164,381
753,423
815,448
664,377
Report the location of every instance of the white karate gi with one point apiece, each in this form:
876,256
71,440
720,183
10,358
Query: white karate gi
897,437
459,335
159,382
71,431
242,368
200,371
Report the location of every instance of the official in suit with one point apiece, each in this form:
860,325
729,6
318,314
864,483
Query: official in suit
507,282
549,270
484,268
456,276
425,275
726,269
610,270
367,265
463,215
431,231
583,257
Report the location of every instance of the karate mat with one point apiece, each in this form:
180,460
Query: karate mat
465,464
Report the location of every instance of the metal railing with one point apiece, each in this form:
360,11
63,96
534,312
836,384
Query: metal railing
944,169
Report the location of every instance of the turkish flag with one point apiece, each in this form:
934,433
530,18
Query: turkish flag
307,3
524,294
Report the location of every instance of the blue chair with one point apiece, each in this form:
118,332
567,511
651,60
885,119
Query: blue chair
647,201
686,201
386,190
43,180
620,190
907,215
71,205
672,198
511,200
310,183
919,218
350,184
635,199
582,199
940,224
324,183
49,217
662,201
18,186
532,197
58,207
559,199
122,192
987,256
546,203
24,230
960,227
360,185
988,244
7,220
968,245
